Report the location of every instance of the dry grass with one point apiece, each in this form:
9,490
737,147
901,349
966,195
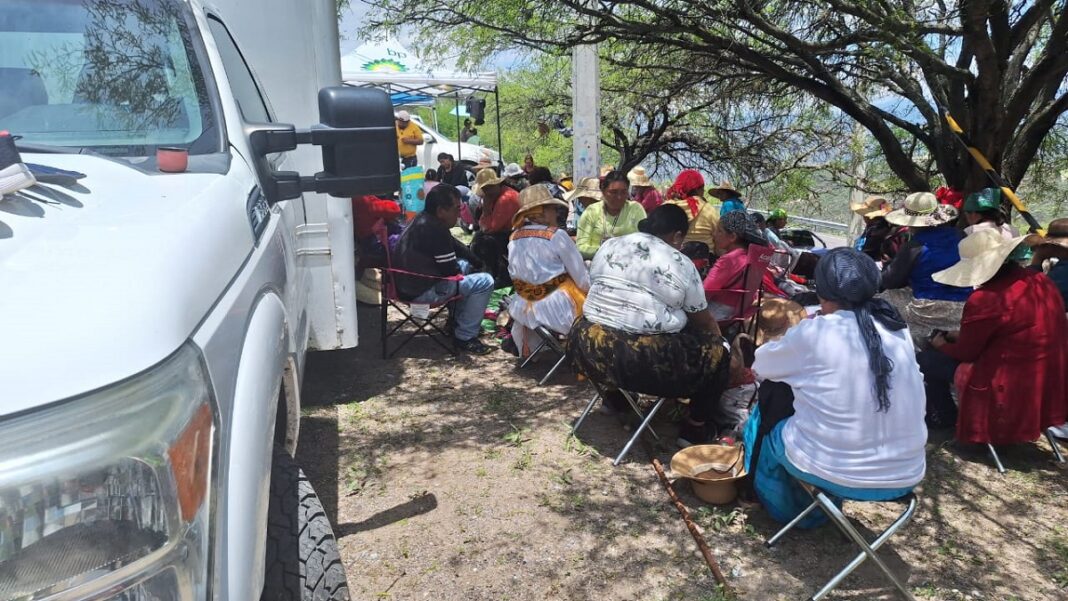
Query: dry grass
456,479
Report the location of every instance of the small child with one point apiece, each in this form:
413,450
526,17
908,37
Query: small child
733,409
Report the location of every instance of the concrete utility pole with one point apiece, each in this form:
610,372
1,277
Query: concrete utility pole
857,194
586,111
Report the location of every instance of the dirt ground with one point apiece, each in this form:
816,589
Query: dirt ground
455,478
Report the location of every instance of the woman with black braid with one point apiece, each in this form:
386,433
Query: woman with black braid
850,380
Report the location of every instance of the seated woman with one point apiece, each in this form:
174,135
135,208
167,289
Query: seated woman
855,428
548,273
734,234
645,326
366,211
1014,340
616,215
688,194
880,240
499,205
587,193
925,304
982,210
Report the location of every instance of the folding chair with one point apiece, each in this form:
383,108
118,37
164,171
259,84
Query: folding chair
823,502
390,298
1052,443
632,400
757,261
548,341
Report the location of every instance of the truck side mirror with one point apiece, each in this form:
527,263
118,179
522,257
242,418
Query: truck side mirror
359,143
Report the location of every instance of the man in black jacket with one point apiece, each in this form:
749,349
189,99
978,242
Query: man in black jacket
449,172
427,247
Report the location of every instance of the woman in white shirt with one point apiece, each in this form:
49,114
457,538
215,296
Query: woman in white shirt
646,326
857,429
548,273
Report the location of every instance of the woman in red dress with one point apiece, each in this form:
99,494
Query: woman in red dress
1014,335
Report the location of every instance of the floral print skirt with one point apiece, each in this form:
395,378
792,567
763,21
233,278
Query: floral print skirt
690,364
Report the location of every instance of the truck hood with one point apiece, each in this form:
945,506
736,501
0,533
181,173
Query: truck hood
105,279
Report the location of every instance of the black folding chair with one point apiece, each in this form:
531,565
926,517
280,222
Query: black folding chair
390,298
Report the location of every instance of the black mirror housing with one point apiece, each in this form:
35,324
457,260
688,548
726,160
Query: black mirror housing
358,137
364,160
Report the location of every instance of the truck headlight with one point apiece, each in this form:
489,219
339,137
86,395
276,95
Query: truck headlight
108,495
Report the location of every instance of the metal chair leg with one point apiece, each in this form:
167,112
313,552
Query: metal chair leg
632,400
997,460
585,412
638,432
1053,443
832,511
531,356
778,535
553,370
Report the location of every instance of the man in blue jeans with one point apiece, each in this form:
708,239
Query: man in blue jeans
427,247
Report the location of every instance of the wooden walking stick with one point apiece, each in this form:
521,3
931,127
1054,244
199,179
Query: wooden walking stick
993,174
701,544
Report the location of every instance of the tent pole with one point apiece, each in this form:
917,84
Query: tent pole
500,145
459,131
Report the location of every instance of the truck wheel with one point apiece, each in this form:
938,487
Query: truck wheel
302,562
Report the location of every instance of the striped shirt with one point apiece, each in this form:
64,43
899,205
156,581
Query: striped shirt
427,247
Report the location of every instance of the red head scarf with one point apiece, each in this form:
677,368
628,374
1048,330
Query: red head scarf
949,196
687,182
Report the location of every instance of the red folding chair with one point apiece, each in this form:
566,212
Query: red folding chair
390,298
757,261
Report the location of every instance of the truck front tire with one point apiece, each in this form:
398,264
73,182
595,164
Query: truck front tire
302,562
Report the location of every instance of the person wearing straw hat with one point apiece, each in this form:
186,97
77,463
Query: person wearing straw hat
880,240
642,190
646,327
1051,254
499,206
687,193
515,176
616,215
587,193
982,210
548,273
729,198
1012,342
925,303
850,374
723,285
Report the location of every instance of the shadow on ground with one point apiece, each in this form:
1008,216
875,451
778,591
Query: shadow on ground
457,478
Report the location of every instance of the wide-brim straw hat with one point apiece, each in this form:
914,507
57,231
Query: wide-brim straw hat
638,177
922,209
981,256
724,186
1056,235
777,315
712,469
534,197
872,207
486,177
589,187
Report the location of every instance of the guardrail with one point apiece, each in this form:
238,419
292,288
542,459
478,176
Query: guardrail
838,228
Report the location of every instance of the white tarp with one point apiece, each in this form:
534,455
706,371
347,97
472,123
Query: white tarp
388,63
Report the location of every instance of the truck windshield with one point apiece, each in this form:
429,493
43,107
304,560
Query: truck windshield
120,77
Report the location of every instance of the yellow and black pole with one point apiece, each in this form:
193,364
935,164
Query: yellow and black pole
994,176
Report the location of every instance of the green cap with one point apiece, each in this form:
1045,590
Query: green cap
777,214
987,199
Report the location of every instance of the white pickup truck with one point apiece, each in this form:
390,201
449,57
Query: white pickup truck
154,325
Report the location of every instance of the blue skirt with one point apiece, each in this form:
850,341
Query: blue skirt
776,480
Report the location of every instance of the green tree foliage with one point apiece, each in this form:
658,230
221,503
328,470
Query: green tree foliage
998,65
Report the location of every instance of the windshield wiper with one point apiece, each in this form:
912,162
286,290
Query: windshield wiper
47,149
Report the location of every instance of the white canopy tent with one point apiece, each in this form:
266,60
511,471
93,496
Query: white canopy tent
389,66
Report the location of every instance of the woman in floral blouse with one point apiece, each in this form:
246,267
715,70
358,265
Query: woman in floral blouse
646,326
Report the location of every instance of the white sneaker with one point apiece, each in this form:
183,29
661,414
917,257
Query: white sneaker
14,178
